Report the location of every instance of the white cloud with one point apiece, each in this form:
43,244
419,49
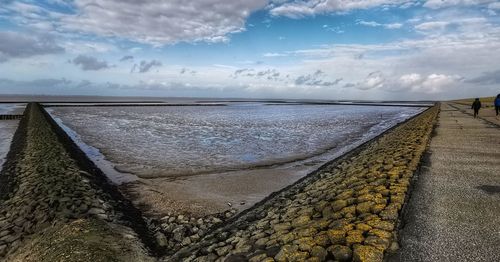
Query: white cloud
155,22
494,6
434,25
302,8
463,24
431,84
161,22
373,80
436,4
410,80
369,23
393,26
435,83
432,66
18,45
408,83
376,24
274,55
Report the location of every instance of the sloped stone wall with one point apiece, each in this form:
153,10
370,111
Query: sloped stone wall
44,188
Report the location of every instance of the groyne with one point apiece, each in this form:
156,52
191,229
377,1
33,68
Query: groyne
10,117
347,210
52,199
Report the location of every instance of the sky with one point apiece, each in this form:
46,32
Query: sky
312,49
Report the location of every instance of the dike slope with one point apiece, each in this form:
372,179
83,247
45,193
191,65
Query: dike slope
347,210
55,208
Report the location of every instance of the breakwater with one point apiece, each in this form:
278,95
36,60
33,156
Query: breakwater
10,117
347,210
48,187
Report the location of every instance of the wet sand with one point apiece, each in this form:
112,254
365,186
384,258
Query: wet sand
206,194
210,193
198,196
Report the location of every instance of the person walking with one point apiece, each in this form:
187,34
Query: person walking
476,105
497,104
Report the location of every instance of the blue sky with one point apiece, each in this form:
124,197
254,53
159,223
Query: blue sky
328,49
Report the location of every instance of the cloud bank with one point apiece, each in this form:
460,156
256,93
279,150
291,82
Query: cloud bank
19,45
161,22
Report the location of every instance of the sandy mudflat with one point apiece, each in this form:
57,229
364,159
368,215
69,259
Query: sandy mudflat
205,194
210,193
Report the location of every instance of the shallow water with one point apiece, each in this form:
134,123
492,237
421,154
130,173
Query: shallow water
11,108
176,141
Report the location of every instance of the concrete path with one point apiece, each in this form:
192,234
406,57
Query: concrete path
487,112
454,210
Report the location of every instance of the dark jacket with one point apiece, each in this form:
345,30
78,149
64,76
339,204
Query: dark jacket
497,102
476,105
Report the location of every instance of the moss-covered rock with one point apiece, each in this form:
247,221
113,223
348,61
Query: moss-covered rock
364,253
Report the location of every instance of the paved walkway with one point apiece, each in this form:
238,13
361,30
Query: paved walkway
486,113
454,210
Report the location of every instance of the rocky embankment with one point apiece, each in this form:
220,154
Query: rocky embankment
173,232
53,208
347,210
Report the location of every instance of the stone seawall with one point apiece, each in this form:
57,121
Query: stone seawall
346,211
54,205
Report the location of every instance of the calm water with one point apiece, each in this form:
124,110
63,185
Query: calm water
11,108
172,141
